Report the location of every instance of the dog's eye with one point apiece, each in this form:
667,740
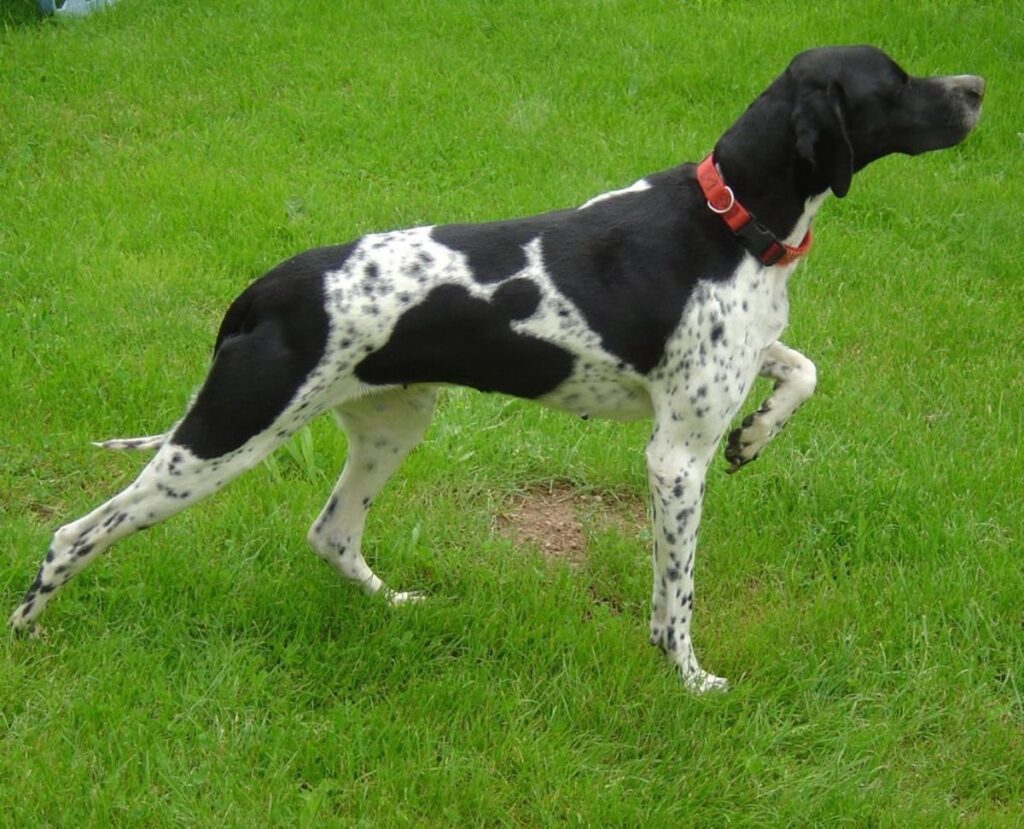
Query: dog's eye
901,77
897,89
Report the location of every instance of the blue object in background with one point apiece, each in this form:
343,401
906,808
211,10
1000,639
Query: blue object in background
71,7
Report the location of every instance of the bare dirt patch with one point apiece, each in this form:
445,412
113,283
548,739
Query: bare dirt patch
556,519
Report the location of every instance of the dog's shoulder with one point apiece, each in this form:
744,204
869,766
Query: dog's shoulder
630,262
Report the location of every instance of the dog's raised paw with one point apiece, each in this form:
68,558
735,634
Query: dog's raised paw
738,451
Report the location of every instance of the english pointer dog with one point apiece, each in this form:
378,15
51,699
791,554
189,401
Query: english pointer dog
664,299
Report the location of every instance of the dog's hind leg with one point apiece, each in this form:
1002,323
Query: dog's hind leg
173,480
254,397
382,429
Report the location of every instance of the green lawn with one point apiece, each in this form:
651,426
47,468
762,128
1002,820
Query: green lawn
861,585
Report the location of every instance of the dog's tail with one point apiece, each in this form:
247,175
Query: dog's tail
133,444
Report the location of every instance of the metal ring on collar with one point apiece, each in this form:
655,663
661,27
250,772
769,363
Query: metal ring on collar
728,207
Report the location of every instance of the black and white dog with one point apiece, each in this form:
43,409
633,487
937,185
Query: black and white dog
665,298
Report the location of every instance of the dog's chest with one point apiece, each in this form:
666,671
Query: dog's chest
715,353
754,303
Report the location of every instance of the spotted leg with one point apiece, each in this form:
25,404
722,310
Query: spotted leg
676,471
173,480
382,429
249,404
795,378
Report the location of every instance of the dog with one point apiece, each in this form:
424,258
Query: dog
664,299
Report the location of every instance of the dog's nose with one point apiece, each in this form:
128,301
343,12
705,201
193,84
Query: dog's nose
968,88
975,85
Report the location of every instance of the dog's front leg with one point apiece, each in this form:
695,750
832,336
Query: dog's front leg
795,378
676,471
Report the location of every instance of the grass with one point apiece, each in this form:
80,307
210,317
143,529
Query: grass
861,584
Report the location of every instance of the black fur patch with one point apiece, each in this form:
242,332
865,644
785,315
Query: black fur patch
516,299
272,336
453,337
494,250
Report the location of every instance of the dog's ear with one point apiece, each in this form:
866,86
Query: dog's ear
819,120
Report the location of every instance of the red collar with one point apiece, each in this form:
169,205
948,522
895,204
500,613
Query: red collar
753,235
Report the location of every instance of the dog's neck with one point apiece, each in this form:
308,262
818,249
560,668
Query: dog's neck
758,160
803,223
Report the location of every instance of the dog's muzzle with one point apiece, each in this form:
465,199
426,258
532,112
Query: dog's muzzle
968,91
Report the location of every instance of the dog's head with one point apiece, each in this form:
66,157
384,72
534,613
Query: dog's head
854,104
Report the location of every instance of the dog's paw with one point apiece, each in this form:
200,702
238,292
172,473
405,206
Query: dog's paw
743,446
409,597
701,682
23,627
